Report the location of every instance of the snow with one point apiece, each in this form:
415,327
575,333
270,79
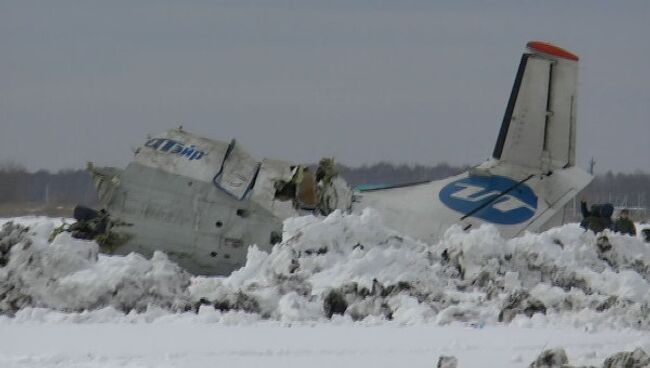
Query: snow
71,275
184,343
391,298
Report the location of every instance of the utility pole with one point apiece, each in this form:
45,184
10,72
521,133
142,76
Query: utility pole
592,164
47,193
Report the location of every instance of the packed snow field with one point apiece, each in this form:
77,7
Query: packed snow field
342,290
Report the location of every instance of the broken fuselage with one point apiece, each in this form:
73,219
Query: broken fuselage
203,202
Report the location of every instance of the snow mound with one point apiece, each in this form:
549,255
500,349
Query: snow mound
351,267
355,266
70,275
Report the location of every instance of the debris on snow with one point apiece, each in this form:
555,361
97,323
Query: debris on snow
447,362
334,303
634,359
552,358
520,302
240,302
557,358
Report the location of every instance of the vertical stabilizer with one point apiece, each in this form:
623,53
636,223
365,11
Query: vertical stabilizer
539,126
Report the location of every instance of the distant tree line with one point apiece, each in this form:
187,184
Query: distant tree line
387,173
18,187
623,190
69,187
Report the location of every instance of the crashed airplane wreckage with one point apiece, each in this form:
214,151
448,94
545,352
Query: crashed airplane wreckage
203,202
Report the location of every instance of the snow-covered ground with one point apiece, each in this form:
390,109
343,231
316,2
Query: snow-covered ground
184,343
344,291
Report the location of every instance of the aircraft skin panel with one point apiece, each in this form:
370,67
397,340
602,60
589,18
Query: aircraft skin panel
238,172
562,118
178,152
523,145
420,211
539,126
197,225
426,211
414,209
263,193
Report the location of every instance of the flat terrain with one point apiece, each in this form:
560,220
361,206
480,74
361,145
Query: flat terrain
187,344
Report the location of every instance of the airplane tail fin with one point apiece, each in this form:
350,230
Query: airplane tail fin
539,126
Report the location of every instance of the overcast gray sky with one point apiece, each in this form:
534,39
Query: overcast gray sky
413,81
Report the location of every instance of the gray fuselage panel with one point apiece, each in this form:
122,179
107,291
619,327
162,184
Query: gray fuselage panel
201,227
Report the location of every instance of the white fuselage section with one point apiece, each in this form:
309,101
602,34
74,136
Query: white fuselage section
492,193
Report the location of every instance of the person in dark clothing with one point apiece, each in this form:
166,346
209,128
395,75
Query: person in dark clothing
606,211
586,213
598,218
624,225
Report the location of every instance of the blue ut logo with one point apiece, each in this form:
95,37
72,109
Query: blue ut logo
498,202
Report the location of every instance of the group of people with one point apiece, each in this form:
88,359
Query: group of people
599,217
